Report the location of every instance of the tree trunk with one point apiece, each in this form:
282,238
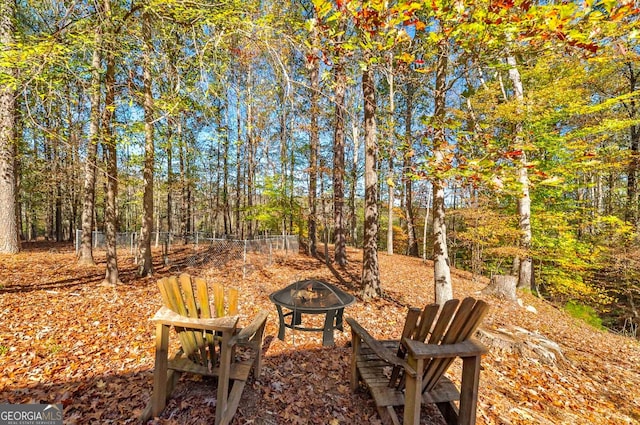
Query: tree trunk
184,190
284,163
412,248
250,157
72,180
145,268
452,221
631,213
428,198
291,185
370,271
31,213
170,179
524,201
338,166
225,185
390,176
238,204
314,142
109,143
56,178
477,262
88,196
9,242
218,183
56,167
172,123
18,169
190,213
323,207
354,182
50,225
441,269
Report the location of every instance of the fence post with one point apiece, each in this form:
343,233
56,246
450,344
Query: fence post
244,260
78,235
165,250
197,233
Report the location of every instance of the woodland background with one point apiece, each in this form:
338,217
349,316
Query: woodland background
494,136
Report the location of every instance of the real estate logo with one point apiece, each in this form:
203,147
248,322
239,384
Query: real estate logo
30,414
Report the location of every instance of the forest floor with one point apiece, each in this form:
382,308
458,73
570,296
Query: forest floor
66,338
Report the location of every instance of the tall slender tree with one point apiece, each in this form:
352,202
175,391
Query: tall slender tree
313,65
110,151
525,272
145,267
340,76
631,75
90,167
441,268
407,164
389,71
370,270
9,242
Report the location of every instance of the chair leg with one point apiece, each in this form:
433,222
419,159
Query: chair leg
413,392
234,401
469,390
223,379
388,415
172,379
449,412
257,368
355,351
159,397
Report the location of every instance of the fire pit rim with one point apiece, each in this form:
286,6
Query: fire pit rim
345,299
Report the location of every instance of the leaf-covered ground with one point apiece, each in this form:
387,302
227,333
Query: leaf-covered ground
66,338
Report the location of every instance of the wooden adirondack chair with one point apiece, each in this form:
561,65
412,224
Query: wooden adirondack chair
208,342
410,371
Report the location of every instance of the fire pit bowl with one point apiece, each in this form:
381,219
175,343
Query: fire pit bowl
311,297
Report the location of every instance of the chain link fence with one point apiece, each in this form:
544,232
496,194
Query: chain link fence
250,254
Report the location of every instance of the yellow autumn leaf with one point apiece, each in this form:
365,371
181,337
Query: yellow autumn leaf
406,57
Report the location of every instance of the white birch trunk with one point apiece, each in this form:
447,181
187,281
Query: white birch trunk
524,201
441,266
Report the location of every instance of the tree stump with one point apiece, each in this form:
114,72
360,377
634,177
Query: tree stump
502,286
514,339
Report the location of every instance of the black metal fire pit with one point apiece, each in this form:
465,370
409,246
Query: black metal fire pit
311,297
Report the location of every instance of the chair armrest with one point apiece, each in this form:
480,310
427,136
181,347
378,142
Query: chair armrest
167,316
378,348
420,350
247,333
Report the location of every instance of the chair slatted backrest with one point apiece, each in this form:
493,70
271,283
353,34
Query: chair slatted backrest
189,297
455,322
410,328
